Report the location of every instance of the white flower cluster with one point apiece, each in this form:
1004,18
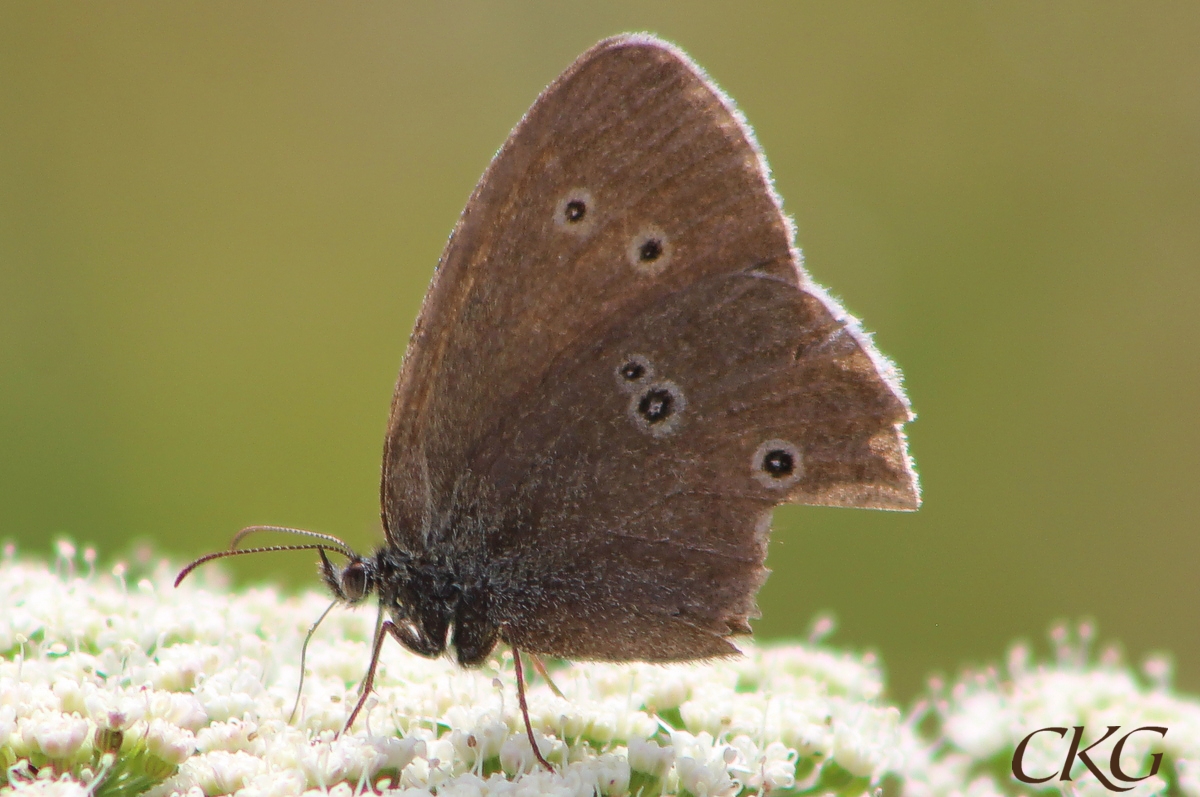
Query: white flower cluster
983,717
111,685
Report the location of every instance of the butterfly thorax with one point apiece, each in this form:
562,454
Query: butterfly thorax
431,605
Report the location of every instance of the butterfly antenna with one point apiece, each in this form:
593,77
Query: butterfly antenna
525,711
336,545
303,655
222,554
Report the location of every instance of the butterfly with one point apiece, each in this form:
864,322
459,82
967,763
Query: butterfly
619,370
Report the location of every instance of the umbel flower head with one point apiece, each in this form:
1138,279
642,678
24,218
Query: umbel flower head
117,684
982,718
113,683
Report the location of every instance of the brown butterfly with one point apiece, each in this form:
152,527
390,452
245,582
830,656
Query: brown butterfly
619,369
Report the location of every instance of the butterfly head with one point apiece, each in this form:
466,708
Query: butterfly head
352,583
420,602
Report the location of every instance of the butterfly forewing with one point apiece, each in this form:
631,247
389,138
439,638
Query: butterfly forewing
620,368
626,125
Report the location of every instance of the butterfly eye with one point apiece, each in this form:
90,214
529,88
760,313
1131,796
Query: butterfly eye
353,580
658,408
650,251
776,464
633,371
575,212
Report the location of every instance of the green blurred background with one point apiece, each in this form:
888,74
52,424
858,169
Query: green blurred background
217,221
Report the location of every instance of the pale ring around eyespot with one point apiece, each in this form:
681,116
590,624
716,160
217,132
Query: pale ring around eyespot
777,464
575,212
633,372
649,252
658,408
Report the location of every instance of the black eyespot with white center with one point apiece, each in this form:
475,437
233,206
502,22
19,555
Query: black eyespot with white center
656,405
777,464
658,408
633,372
649,251
575,212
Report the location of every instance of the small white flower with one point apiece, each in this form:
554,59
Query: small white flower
864,743
758,770
612,775
59,736
516,756
666,693
396,754
650,758
169,743
985,715
461,786
704,777
231,736
1187,773
8,723
58,787
222,773
980,727
112,709
65,549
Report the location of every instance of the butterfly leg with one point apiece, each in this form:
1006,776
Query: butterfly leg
540,666
525,710
364,691
407,636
